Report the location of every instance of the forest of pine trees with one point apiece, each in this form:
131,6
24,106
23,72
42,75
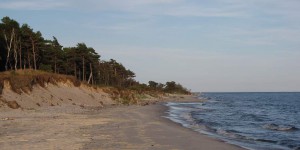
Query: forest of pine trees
23,48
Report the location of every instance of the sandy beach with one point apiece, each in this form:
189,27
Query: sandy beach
116,127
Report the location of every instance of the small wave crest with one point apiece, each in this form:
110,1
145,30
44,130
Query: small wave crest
276,127
230,134
266,140
251,117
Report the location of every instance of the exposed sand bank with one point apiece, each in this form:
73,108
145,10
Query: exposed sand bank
117,127
64,93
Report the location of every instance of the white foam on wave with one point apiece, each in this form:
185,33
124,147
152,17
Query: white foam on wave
279,127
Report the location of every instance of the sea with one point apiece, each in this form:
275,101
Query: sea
255,121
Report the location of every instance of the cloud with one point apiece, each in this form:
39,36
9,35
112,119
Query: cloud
142,2
196,11
126,24
179,8
265,36
32,4
258,8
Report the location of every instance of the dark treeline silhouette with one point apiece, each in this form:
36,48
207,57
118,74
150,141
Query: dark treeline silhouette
23,48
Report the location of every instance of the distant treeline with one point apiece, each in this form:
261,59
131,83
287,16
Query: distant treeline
23,48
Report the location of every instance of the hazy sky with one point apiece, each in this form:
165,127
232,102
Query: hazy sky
207,45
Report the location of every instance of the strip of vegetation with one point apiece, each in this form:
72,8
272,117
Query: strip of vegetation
24,80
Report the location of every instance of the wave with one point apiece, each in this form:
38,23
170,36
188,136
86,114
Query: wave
230,134
276,127
251,117
265,140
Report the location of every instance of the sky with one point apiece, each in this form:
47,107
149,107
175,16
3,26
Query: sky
206,45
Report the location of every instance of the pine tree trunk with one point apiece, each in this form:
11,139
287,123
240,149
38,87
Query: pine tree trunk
34,53
55,64
83,76
9,46
24,62
75,70
91,74
20,53
15,52
28,60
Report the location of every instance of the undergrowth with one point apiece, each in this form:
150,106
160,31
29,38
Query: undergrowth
128,96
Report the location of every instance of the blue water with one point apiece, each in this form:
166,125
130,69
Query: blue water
262,121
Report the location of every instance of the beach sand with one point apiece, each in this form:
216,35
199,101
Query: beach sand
116,127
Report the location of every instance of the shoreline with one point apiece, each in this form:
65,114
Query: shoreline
146,128
205,136
120,127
